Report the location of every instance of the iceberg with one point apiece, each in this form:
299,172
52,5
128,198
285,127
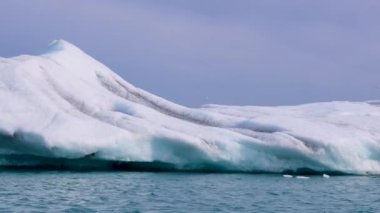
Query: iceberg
65,110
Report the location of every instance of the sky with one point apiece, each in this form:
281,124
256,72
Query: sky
242,52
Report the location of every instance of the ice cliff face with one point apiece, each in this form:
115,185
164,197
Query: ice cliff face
64,108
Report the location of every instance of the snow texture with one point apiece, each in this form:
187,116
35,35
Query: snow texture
65,108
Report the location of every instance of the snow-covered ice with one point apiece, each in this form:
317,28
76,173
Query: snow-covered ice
65,105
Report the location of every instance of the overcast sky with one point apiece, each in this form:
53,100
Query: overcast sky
247,52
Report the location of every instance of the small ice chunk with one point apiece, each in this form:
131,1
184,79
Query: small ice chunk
326,176
287,176
302,177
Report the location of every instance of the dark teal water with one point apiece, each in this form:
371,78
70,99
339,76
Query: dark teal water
184,192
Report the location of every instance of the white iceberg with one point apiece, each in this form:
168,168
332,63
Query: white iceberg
64,107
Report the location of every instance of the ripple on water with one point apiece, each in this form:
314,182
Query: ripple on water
183,192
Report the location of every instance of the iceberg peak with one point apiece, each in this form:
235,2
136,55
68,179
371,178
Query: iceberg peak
61,45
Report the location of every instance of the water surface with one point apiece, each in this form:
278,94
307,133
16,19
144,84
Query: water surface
184,192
